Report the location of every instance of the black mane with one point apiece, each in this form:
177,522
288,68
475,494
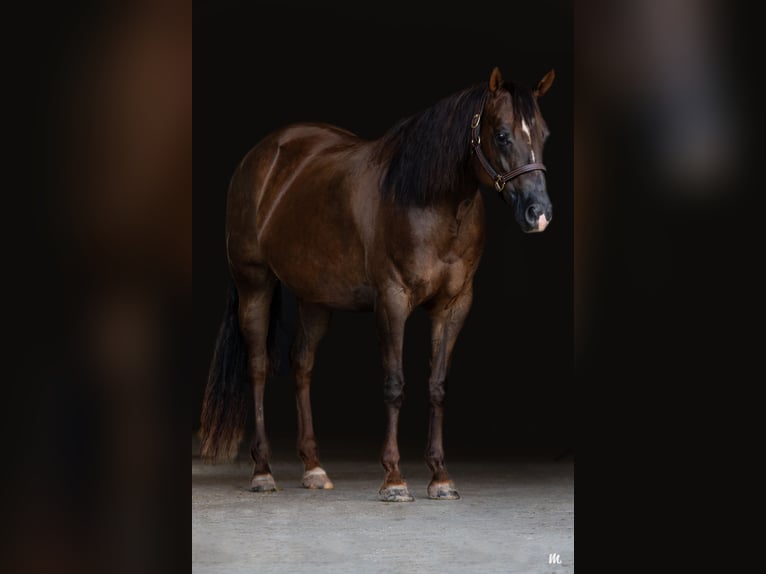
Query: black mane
429,150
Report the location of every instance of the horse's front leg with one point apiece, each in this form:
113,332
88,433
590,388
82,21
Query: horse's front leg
446,321
392,310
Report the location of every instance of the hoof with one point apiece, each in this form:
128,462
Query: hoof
263,483
395,493
442,491
317,478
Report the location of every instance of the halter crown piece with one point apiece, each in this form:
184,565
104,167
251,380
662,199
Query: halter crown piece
500,179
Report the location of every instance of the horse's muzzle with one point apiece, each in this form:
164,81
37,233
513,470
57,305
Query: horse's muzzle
537,217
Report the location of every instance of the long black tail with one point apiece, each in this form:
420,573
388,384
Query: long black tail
224,410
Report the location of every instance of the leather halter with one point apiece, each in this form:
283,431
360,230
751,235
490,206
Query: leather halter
500,179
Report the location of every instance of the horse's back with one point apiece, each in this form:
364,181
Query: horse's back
294,205
267,165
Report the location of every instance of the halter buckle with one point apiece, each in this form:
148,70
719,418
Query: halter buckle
475,121
499,183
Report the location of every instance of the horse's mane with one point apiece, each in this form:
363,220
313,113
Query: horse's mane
429,150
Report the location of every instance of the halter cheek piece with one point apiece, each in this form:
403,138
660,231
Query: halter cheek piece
500,179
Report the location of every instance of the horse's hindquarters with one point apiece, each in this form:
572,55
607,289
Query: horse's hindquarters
309,204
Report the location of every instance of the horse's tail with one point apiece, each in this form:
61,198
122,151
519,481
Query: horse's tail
224,409
225,405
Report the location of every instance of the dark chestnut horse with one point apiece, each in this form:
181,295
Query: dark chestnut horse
383,226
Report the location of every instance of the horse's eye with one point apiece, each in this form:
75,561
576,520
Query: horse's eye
502,138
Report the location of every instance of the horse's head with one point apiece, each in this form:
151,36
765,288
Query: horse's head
507,136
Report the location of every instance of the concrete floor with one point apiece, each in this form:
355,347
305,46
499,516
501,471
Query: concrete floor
511,517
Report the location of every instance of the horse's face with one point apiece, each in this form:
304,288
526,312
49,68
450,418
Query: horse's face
513,133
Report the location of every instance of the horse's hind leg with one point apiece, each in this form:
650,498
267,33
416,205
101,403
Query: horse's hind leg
256,286
312,325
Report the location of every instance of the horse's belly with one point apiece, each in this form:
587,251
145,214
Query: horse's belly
333,294
328,275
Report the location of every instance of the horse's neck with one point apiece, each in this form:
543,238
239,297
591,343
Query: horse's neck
456,200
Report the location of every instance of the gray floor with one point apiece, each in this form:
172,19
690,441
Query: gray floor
512,516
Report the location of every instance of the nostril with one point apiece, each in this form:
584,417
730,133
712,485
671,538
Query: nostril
533,213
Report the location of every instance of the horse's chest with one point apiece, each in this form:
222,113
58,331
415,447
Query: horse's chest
432,274
436,251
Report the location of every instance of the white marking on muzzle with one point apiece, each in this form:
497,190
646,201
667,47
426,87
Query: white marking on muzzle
542,222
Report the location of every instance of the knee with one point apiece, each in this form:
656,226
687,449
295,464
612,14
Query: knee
393,390
437,392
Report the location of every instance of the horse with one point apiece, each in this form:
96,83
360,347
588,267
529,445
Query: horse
385,226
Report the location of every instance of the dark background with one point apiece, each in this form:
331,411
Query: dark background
510,387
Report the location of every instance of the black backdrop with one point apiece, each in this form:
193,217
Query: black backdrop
511,384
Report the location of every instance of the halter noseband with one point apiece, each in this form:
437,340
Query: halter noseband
500,179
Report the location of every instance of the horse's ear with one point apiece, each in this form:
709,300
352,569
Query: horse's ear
544,84
495,81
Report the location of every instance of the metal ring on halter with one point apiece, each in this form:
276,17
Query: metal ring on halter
499,183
